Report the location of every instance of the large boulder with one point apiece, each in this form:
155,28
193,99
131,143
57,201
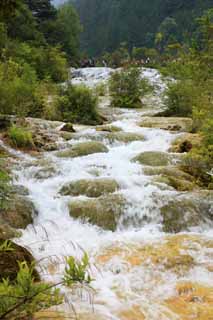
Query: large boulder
168,123
153,158
9,261
103,212
19,212
91,188
83,149
125,137
6,231
187,211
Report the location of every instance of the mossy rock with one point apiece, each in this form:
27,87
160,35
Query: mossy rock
186,142
9,262
173,177
178,184
91,188
45,173
83,149
67,127
108,128
103,212
125,137
7,232
182,213
66,135
172,171
19,212
153,158
168,123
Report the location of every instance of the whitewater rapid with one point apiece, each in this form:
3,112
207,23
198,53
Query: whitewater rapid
55,234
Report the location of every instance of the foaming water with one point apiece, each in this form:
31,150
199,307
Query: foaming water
122,282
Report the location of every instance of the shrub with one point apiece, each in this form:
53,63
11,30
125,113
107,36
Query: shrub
181,98
17,89
78,104
100,89
127,88
20,137
22,298
4,186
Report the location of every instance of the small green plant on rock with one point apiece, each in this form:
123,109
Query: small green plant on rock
127,88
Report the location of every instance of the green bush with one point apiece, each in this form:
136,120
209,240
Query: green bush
78,104
4,186
127,88
17,89
23,297
20,137
100,89
181,97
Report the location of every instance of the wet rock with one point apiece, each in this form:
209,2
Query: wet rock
9,262
91,188
66,135
103,212
45,173
20,190
108,128
83,149
68,127
178,184
167,123
19,212
173,177
7,232
153,158
124,137
184,212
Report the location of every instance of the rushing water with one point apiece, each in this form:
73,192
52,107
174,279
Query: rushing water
124,287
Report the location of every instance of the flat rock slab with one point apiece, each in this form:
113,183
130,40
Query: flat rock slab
167,123
90,188
103,212
83,149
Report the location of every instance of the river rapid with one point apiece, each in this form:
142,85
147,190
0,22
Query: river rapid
139,271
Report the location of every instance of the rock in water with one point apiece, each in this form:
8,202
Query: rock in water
103,212
83,149
91,188
125,137
184,212
153,158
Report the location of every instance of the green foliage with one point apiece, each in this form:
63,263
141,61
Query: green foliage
181,98
78,104
24,297
20,137
100,89
6,246
17,87
77,271
127,88
4,186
